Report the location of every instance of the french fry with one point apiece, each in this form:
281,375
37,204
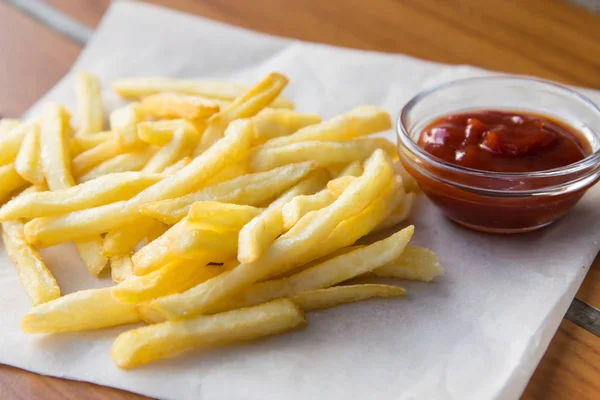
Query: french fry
180,146
299,206
323,152
334,296
257,235
269,123
28,163
36,279
86,142
415,263
121,268
89,103
181,241
153,342
138,87
103,190
220,217
133,161
174,105
244,106
358,122
253,189
159,133
6,125
84,162
123,241
175,277
292,247
400,214
338,185
10,141
331,272
49,231
90,252
10,181
123,123
79,311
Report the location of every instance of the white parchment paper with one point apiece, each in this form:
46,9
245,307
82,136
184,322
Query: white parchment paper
476,333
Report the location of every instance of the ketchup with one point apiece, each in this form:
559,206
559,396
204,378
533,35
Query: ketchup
504,141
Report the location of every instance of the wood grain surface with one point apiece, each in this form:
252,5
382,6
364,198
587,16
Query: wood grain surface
548,38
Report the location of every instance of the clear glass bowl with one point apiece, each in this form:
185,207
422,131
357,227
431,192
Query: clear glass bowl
500,202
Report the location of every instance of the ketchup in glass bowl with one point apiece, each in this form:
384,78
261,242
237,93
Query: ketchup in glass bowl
501,154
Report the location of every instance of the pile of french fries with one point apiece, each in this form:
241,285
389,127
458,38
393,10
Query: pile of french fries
223,214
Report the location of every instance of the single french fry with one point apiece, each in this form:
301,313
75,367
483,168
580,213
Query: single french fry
334,296
181,241
10,181
89,103
358,122
252,189
49,231
295,247
103,190
244,106
10,141
123,123
121,268
138,87
324,153
79,311
133,161
28,163
174,105
180,146
220,217
415,263
84,162
338,185
175,277
400,214
153,342
270,123
36,279
86,142
123,241
258,234
329,273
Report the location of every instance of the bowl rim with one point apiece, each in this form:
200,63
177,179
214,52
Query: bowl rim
406,141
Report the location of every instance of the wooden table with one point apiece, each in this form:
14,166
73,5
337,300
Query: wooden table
548,38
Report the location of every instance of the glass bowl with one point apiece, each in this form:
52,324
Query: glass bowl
493,201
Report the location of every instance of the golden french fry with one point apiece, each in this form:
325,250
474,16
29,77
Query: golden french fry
48,231
181,241
324,153
177,276
10,141
334,296
103,190
269,123
138,87
56,160
220,217
257,235
253,189
121,268
86,142
400,214
415,263
153,342
301,205
36,279
6,125
358,122
123,123
84,162
10,181
91,254
89,103
28,163
180,146
296,246
79,311
133,161
244,106
123,241
174,105
330,272
337,186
